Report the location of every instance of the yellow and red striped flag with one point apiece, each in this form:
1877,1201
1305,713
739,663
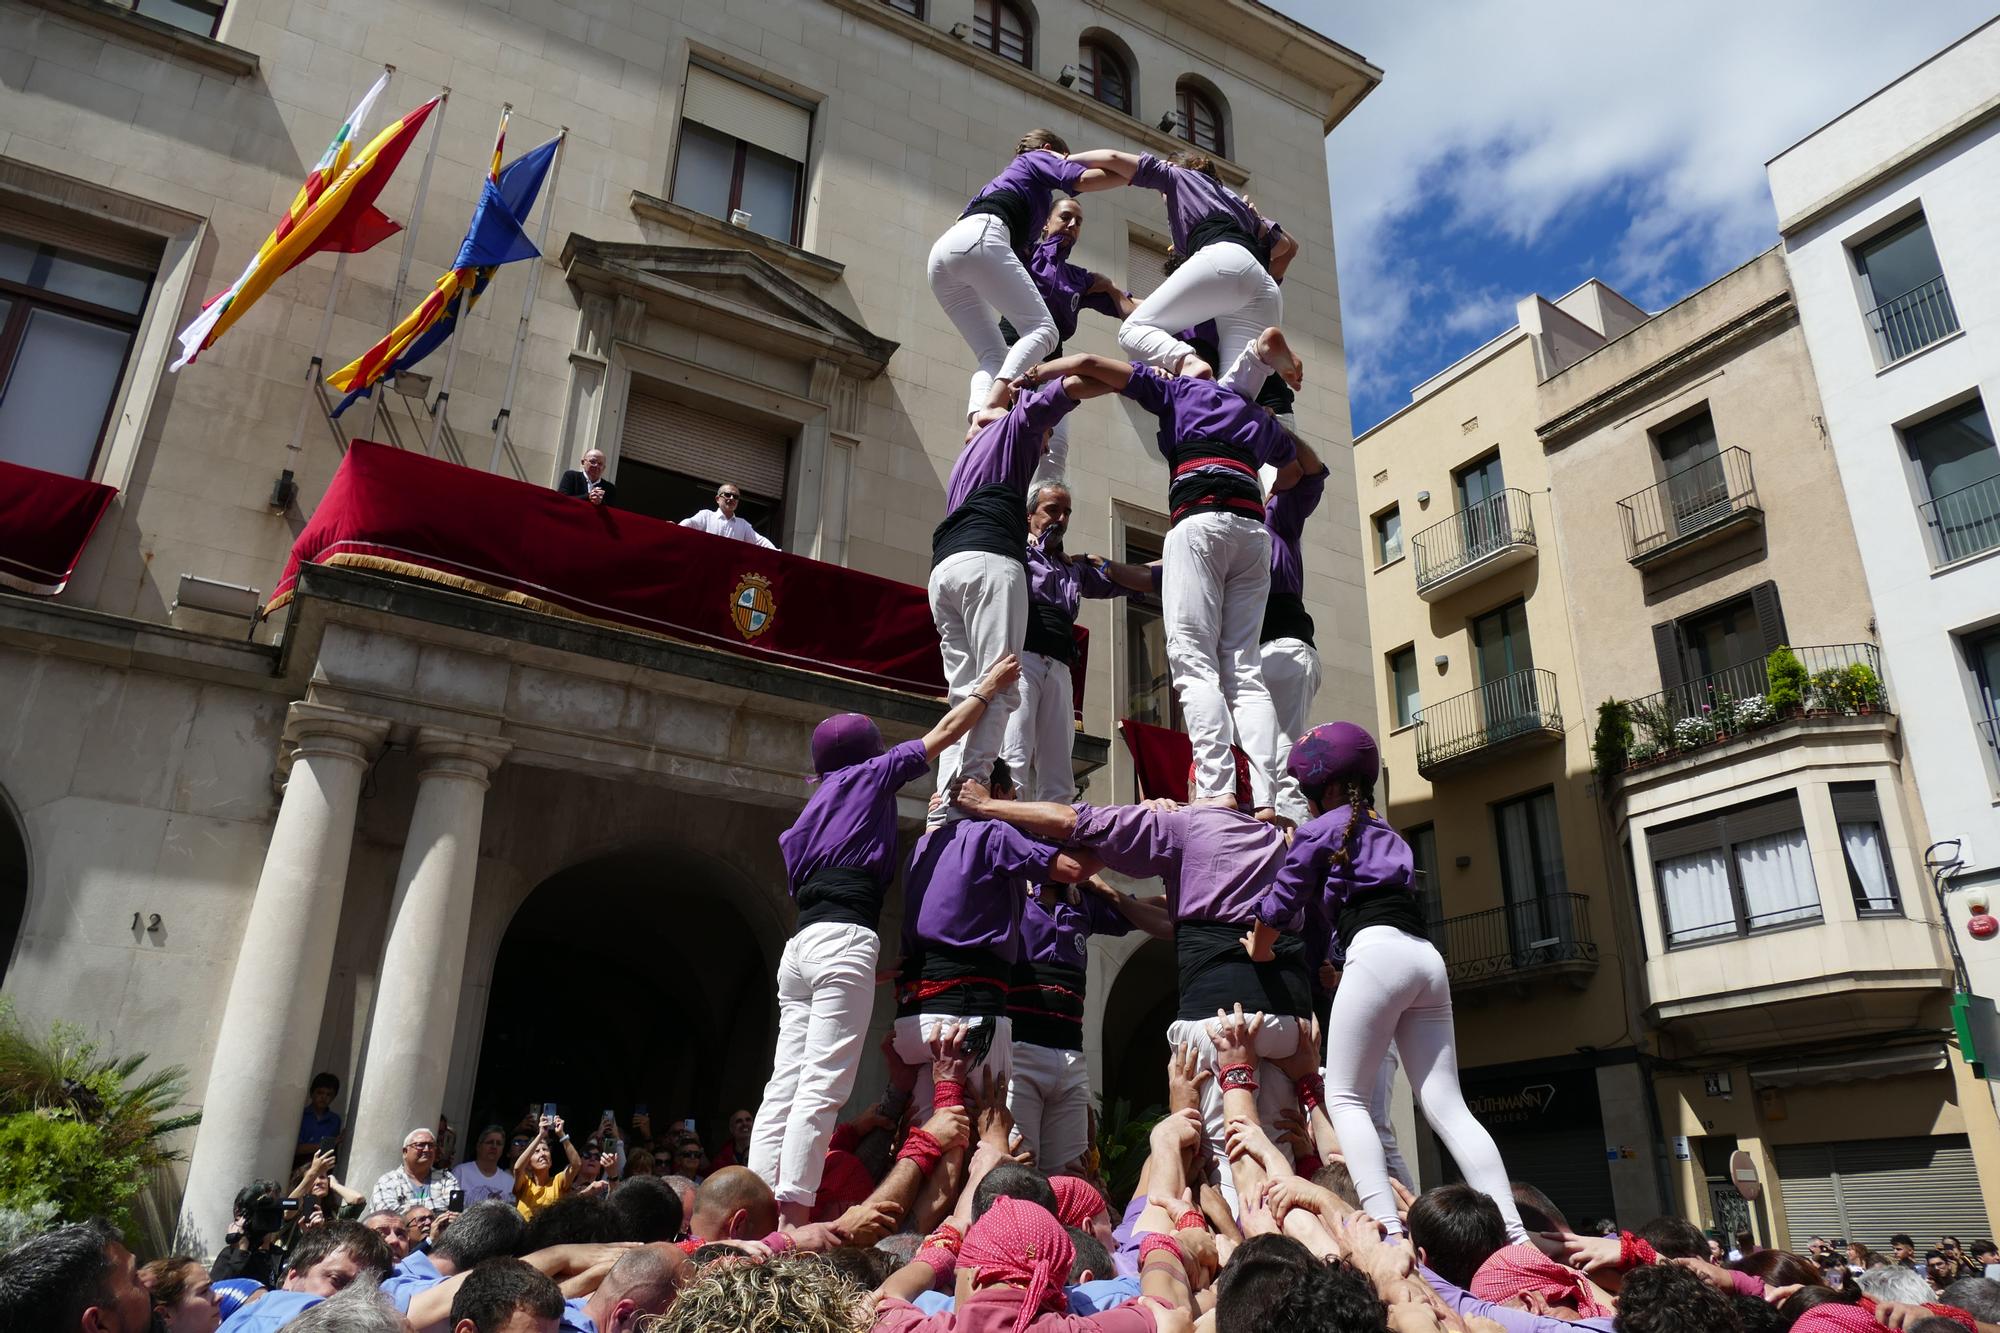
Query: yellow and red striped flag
334,210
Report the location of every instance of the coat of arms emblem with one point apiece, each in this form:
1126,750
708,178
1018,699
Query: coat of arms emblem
751,606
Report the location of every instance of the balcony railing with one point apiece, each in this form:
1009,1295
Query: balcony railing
1516,707
1838,680
1497,524
1690,502
1913,321
1546,935
1963,523
1988,729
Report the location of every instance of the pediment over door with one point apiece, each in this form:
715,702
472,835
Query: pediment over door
733,293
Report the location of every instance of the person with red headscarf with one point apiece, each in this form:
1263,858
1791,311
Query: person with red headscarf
840,855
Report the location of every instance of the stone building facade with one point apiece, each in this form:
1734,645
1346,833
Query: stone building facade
456,851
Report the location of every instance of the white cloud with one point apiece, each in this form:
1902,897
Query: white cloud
1509,114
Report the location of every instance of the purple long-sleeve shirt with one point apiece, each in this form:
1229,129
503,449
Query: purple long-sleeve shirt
1309,885
1191,409
1216,863
1285,514
1065,287
966,884
1062,581
850,820
1061,933
1035,176
1192,198
1006,452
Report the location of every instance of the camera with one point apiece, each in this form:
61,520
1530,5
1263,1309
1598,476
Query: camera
455,1203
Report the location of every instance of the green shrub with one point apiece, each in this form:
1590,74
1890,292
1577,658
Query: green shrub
1788,680
1614,737
1861,687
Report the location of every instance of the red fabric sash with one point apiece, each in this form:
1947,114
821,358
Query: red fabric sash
46,520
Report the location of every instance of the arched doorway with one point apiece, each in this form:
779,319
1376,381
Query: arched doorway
13,883
1142,1001
638,979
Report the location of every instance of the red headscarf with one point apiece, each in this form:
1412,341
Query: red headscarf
1022,1244
1077,1201
1831,1318
1514,1269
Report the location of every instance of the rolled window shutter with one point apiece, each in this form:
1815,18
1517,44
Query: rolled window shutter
1145,267
703,445
81,235
1856,803
1764,819
1770,616
1667,647
744,112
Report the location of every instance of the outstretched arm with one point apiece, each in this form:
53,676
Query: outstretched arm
1051,821
1110,166
1112,294
1109,371
966,711
1148,914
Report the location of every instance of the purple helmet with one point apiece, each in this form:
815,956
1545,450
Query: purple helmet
843,740
1334,752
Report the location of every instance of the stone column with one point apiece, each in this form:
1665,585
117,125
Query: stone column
408,1057
277,996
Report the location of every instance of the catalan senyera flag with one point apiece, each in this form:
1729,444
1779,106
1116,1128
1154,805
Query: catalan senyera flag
334,210
497,236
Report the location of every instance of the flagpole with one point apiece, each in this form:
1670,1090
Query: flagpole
527,307
464,315
409,248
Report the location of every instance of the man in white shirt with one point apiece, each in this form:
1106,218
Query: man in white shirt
722,520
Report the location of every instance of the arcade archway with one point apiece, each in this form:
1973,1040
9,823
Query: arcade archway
1142,1001
13,883
639,979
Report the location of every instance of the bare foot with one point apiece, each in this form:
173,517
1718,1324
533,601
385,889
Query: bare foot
1275,352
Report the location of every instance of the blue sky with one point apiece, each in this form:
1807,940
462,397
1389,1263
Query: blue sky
1519,146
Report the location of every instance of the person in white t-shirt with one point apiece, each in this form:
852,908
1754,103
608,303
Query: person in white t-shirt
483,1177
722,520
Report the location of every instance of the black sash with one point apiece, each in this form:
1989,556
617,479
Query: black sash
1208,474
1046,1004
1392,906
993,518
1215,973
941,979
840,893
1050,632
1219,229
1012,209
1286,617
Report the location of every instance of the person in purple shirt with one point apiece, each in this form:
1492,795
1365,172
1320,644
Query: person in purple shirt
1216,561
980,265
1216,865
1040,731
963,895
1346,864
1231,261
840,855
979,578
1286,649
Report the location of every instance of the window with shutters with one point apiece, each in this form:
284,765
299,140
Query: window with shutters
1002,27
742,154
1388,536
1864,845
1982,660
1145,266
1957,469
1719,650
70,304
1734,873
1405,699
201,17
1200,117
1103,72
673,456
1870,1189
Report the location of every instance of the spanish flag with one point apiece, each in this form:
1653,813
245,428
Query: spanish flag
497,236
334,210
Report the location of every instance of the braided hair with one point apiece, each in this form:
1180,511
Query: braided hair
1357,796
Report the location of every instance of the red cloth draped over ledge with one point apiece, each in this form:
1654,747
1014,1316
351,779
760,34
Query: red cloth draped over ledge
45,522
1162,760
428,519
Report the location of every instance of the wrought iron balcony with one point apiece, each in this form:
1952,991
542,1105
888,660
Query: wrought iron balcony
1492,535
1543,937
1836,680
1515,710
1913,321
1963,523
1691,508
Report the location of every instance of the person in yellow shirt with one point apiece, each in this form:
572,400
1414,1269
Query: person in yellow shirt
535,1185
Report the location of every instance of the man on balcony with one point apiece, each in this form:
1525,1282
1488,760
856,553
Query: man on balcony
586,480
722,520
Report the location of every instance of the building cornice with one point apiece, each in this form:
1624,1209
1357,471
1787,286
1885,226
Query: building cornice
1937,139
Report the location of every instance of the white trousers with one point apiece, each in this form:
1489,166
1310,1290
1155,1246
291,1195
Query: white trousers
826,991
1216,575
1049,1098
1223,282
1394,987
913,1046
1041,730
1278,1038
1291,674
980,603
977,278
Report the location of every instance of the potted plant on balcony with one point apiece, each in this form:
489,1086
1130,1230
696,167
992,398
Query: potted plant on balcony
1653,732
1750,712
1788,681
1823,696
1613,743
1697,729
1861,689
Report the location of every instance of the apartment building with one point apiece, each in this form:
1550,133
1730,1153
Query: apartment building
356,836
1795,986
